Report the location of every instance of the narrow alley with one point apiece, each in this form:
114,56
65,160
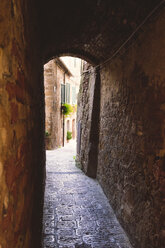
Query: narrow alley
115,106
76,211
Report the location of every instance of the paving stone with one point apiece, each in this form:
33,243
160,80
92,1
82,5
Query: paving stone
76,212
49,223
49,230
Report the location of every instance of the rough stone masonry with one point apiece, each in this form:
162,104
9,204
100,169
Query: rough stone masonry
21,128
131,155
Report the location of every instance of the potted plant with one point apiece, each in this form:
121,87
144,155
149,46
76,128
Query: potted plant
69,136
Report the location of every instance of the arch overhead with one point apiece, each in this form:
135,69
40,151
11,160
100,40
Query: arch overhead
70,52
92,29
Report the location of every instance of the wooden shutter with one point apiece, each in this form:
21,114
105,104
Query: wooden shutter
62,93
67,92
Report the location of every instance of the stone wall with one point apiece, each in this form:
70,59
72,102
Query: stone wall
84,115
21,127
53,75
131,143
132,135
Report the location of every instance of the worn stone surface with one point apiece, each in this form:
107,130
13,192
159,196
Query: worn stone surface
88,115
53,77
76,211
84,116
21,127
132,138
131,141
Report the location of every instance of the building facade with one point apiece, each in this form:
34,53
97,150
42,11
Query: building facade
61,88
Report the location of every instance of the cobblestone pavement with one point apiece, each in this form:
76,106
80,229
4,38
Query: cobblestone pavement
76,211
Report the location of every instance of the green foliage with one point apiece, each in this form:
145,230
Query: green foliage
47,133
69,135
67,109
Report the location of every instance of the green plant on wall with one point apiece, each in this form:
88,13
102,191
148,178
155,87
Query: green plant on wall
69,135
67,109
47,133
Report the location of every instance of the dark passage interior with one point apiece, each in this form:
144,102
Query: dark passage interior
124,42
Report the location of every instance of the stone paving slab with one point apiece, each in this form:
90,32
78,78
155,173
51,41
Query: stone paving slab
76,211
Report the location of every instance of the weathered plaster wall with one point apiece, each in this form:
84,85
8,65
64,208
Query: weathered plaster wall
88,116
84,115
131,166
21,127
53,75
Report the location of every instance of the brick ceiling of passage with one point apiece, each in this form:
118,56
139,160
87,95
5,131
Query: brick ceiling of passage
92,29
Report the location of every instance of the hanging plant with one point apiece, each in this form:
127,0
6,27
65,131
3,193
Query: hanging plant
67,109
